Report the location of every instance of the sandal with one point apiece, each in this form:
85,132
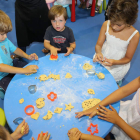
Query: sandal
45,50
15,56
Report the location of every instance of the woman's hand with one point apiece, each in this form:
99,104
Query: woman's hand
108,62
108,115
98,57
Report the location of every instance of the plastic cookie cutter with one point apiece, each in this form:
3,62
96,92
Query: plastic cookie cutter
54,96
54,57
91,72
96,128
29,106
32,89
39,135
17,119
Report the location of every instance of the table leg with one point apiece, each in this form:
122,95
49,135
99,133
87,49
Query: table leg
73,11
93,8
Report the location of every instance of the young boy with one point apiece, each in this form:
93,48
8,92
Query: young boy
7,65
58,37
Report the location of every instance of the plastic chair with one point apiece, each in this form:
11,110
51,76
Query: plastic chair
2,92
67,8
48,3
103,6
2,117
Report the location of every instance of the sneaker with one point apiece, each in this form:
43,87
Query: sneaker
89,7
96,10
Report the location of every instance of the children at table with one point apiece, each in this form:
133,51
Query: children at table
7,65
58,37
118,39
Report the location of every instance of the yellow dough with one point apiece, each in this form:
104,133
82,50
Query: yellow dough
90,103
56,77
91,91
40,102
68,75
48,116
58,110
53,58
35,116
43,77
51,76
21,100
69,107
22,130
100,75
87,66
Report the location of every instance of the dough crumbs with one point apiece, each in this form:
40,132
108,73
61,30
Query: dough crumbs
68,75
21,100
35,77
91,91
43,77
90,103
58,110
69,106
40,102
22,130
48,116
87,66
35,116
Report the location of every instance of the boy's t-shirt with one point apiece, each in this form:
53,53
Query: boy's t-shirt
60,39
6,47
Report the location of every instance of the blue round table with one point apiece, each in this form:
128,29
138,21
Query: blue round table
73,90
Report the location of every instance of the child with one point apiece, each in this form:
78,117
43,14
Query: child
118,39
7,65
58,37
4,134
127,123
83,4
43,137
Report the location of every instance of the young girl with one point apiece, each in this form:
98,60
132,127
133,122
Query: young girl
118,39
127,123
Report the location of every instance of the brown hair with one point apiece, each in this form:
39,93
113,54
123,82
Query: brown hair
3,135
5,23
57,10
123,10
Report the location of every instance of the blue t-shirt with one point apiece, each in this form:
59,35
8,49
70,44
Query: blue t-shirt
6,48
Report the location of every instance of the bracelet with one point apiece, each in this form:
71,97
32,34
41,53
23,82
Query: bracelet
29,106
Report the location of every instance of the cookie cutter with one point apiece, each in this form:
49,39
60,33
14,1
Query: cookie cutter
32,89
54,56
15,121
91,72
96,128
39,135
49,96
29,106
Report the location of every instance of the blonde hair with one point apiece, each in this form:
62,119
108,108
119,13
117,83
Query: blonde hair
57,10
5,23
3,134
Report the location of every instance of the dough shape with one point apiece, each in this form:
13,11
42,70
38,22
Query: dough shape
100,75
91,91
69,106
35,116
22,130
90,103
51,76
56,77
68,75
48,116
87,66
58,110
40,102
21,100
43,77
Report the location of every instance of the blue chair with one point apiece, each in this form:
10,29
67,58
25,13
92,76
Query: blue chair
65,6
2,92
2,117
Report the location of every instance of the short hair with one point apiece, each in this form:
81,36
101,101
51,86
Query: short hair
57,10
123,10
3,134
5,23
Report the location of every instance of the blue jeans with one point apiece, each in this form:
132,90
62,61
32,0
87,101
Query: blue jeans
4,82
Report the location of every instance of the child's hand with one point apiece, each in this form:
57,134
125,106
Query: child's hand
98,57
54,50
108,115
108,62
74,134
17,133
69,50
30,69
33,56
45,137
90,112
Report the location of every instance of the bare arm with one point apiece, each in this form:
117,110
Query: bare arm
47,44
90,137
72,46
21,53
